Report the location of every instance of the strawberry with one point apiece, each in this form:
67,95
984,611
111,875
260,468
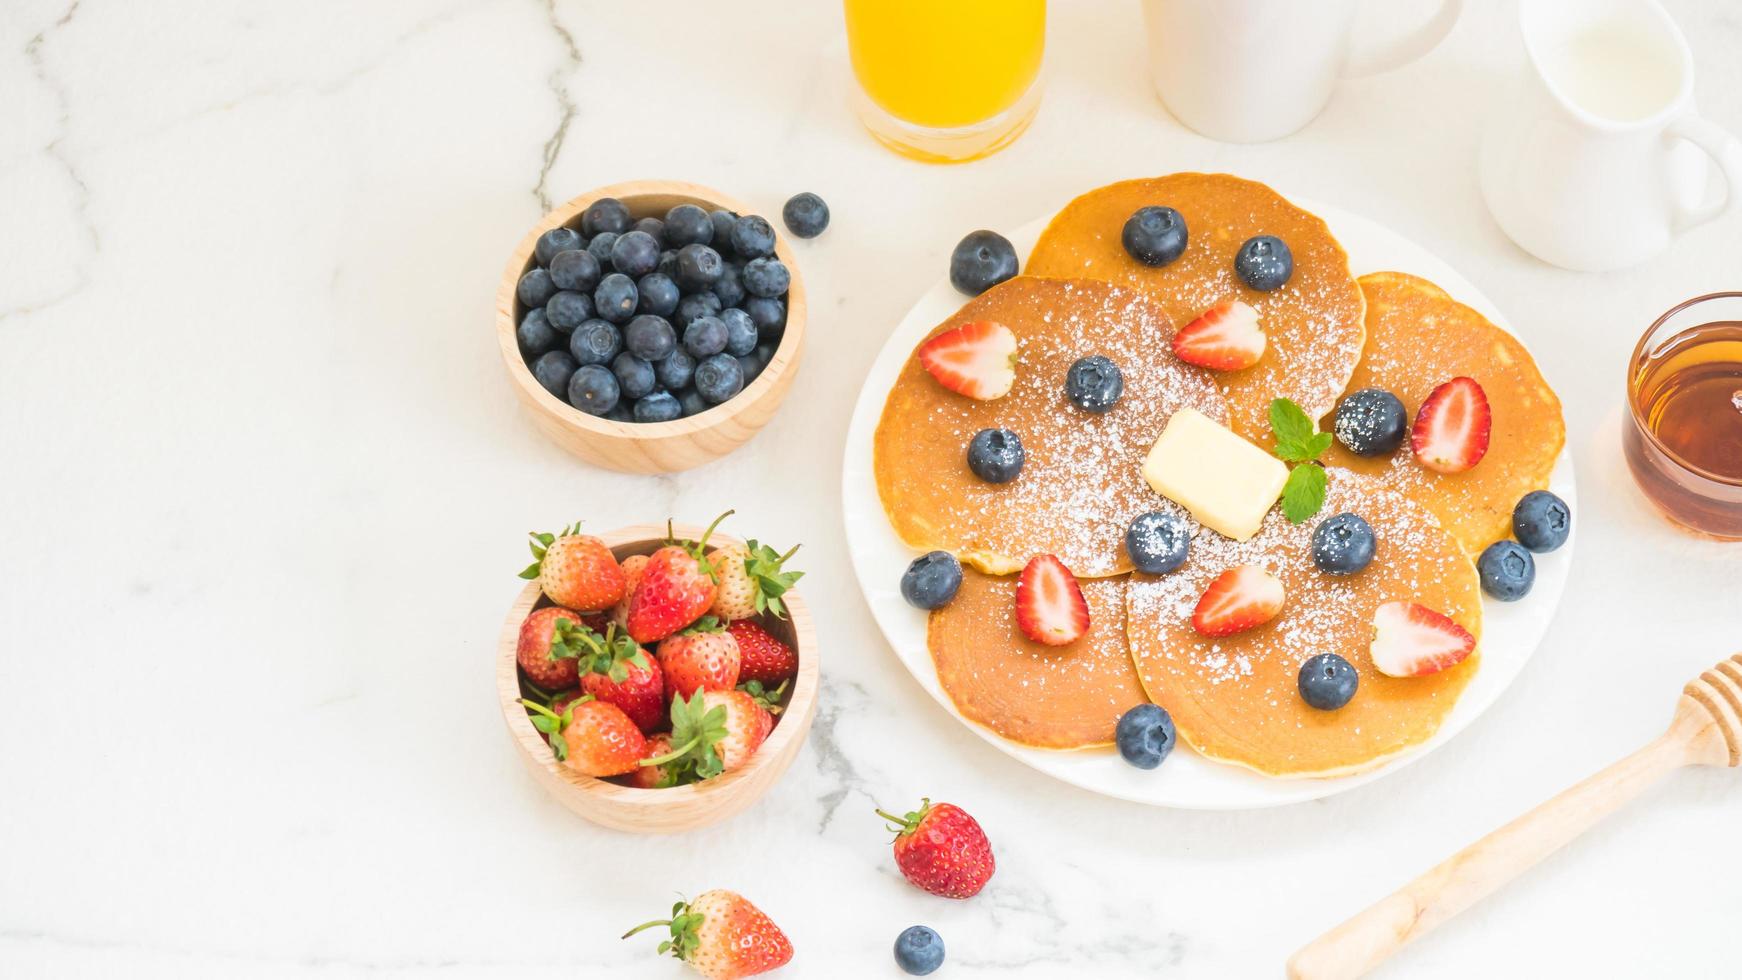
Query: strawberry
1452,427
596,739
1240,598
677,586
614,669
976,359
575,570
747,724
654,776
1410,640
1225,337
703,657
550,640
722,936
1049,604
713,732
761,657
633,566
942,850
751,581
769,701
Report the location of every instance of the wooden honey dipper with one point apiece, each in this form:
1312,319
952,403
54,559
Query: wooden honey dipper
1706,731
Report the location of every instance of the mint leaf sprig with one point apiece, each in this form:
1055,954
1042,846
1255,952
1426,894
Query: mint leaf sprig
1299,442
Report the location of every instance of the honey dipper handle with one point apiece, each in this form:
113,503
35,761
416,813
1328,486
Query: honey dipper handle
1372,935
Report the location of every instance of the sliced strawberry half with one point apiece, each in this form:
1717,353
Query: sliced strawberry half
1451,429
1225,337
976,359
1410,640
1240,598
1049,604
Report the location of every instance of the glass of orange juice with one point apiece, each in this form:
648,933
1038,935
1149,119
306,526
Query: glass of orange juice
946,80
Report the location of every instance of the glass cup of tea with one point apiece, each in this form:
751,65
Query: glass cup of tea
1683,433
946,80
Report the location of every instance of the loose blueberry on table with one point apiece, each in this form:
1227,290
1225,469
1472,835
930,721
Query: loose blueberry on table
1145,735
919,951
681,310
982,260
1327,682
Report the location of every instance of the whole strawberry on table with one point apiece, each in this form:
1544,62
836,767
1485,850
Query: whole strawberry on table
660,669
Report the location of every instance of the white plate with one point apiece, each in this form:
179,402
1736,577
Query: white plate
1510,631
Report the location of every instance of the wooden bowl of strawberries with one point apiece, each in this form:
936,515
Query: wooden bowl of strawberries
657,678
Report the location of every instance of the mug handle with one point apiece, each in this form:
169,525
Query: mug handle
1726,151
1401,51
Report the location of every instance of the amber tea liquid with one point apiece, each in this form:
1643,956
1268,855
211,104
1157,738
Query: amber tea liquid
1683,440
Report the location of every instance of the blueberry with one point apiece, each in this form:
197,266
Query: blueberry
1094,383
1370,422
568,310
1264,262
982,260
621,413
692,402
768,314
931,580
649,337
1158,543
595,342
600,247
553,370
661,406
995,455
698,267
1541,521
536,335
576,269
765,352
594,390
658,294
766,277
615,298
668,264
687,224
1343,545
1327,682
554,241
653,227
1507,571
695,305
919,950
730,286
1145,735
718,378
749,366
705,336
741,332
534,288
805,215
605,214
676,370
752,237
1155,235
634,375
635,254
723,221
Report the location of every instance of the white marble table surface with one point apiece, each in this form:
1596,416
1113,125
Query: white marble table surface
265,487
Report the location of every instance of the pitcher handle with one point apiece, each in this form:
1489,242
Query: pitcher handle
1726,151
1401,51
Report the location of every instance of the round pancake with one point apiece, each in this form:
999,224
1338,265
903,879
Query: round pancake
1419,338
1312,325
1052,697
1082,482
1236,698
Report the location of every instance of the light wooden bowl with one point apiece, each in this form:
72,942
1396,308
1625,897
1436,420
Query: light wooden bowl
650,447
679,808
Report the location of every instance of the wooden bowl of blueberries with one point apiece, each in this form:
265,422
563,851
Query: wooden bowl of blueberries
653,326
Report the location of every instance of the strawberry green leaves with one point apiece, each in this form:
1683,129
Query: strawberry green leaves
552,724
695,731
541,543
611,654
1298,441
763,565
768,698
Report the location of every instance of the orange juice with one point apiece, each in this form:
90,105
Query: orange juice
942,77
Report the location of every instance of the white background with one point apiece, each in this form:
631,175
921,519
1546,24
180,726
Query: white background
265,487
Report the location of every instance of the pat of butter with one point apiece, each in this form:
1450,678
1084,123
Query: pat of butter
1227,483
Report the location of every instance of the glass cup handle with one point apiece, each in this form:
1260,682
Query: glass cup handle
1401,51
1726,151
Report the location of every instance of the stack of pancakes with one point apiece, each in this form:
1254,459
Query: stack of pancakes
1233,699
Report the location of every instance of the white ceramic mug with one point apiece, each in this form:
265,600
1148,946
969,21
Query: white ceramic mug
1597,159
1246,71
